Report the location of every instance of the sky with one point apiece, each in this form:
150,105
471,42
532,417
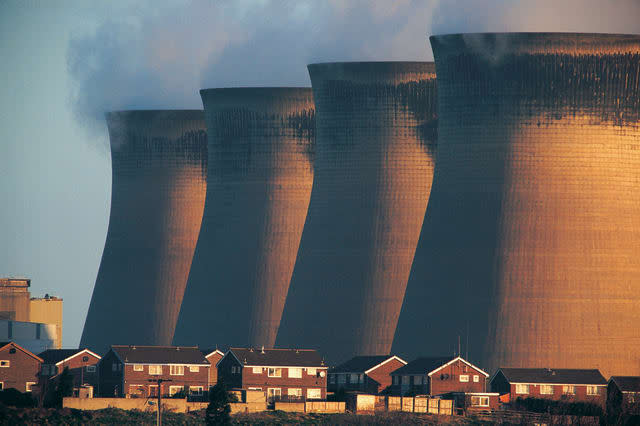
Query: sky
63,63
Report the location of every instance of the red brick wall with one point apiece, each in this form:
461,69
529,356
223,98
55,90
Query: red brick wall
196,378
76,367
22,368
213,371
580,394
307,381
379,379
452,383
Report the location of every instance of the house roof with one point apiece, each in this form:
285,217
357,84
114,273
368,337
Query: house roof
208,352
361,364
31,354
159,354
627,383
54,356
278,357
554,376
424,365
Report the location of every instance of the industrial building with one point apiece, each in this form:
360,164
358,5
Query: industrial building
158,161
259,183
375,147
529,250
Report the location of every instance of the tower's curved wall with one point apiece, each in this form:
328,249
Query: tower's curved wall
260,176
158,161
532,238
376,126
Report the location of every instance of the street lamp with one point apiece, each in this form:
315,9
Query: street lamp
159,382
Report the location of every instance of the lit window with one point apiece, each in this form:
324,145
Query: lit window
522,389
342,379
194,369
5,363
138,367
314,394
568,390
257,370
311,371
155,370
294,392
176,370
175,389
28,386
592,390
195,390
91,368
476,378
274,372
546,389
464,377
295,373
353,378
480,401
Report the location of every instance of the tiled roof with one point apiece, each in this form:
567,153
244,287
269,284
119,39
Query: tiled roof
279,357
627,383
554,375
423,365
159,354
54,356
360,364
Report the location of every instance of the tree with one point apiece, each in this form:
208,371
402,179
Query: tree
64,387
219,410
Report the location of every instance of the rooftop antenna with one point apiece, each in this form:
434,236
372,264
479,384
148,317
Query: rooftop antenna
467,355
458,345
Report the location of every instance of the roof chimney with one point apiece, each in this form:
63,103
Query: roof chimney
262,350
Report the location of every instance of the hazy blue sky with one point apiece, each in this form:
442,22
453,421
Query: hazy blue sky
63,63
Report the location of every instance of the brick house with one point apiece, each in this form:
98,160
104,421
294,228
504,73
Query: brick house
82,364
131,371
437,376
623,395
370,374
284,374
572,385
213,356
19,368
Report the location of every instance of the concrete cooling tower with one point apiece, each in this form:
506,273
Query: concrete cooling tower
259,183
159,162
376,136
531,246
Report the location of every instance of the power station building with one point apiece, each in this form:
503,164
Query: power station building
375,145
261,143
158,190
531,242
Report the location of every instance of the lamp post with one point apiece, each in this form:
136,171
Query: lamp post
159,382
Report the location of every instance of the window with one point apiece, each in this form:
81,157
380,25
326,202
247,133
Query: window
480,401
274,372
136,390
1,385
592,390
546,389
175,389
5,363
274,393
342,379
257,370
153,390
255,389
353,379
194,369
233,369
417,380
294,392
28,386
155,370
314,394
332,378
138,367
476,378
464,377
405,380
396,380
311,371
295,373
522,389
195,390
176,370
46,370
569,390
91,368
114,366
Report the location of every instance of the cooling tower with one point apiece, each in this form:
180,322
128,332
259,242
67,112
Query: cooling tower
531,243
259,183
158,160
376,134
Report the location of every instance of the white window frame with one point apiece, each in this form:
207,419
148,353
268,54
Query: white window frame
593,390
522,389
27,386
194,369
271,392
151,390
196,390
90,368
464,378
257,370
546,389
274,372
568,390
138,367
175,389
136,390
312,371
254,388
311,392
176,370
155,369
295,373
5,363
297,392
480,401
476,378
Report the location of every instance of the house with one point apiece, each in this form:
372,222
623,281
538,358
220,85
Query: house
437,376
213,356
623,395
573,385
284,374
134,371
370,374
19,368
474,402
82,365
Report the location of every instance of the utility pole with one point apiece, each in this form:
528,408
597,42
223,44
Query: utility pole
159,382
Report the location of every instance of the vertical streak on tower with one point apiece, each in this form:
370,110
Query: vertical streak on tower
158,190
259,184
374,162
540,144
